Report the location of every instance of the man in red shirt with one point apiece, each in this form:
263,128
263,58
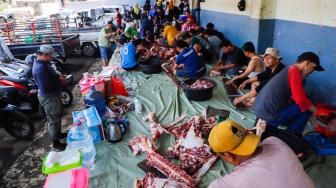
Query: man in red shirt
189,16
118,18
283,101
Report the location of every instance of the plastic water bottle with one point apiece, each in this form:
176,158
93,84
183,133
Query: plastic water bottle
79,137
137,105
97,99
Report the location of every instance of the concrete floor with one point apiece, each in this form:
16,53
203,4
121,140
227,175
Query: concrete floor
20,160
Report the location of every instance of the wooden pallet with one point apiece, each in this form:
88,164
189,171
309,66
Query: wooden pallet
143,166
232,94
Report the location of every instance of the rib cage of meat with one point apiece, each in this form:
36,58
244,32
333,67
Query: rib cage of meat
190,149
171,170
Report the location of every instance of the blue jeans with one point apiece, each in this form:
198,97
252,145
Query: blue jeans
53,109
292,117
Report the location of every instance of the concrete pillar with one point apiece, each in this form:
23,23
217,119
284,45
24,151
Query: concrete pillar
261,23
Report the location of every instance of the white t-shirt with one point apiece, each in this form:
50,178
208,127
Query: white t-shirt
275,166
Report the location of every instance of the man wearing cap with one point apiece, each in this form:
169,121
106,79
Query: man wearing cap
283,101
104,43
49,93
270,164
273,67
233,55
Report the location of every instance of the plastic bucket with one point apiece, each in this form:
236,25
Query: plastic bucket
85,85
198,94
151,65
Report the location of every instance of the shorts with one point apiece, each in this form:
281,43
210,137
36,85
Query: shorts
105,53
182,73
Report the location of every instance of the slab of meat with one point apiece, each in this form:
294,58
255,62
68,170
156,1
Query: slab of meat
149,181
151,117
200,84
215,73
142,143
171,170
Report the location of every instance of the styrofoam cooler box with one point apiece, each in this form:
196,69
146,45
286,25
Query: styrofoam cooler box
93,122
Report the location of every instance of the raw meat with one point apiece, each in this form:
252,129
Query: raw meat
149,181
200,84
142,143
171,170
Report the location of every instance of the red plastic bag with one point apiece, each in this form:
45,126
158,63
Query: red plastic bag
117,86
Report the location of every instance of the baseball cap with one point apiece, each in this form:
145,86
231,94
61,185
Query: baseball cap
47,49
310,56
229,136
273,52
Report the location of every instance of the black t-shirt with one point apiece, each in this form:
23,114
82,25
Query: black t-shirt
236,57
266,75
146,7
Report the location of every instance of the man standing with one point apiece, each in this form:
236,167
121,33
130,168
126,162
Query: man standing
234,55
49,93
104,42
272,164
273,67
118,18
283,101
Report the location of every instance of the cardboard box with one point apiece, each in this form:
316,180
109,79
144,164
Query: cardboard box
93,122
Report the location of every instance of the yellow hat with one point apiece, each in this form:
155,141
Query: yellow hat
229,136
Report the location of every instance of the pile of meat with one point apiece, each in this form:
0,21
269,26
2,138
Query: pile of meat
200,84
168,66
165,53
196,158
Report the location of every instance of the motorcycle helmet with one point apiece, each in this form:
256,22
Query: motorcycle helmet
30,59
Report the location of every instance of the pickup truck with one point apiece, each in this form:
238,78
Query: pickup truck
25,38
89,40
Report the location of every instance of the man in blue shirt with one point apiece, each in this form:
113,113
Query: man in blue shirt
49,93
188,63
128,53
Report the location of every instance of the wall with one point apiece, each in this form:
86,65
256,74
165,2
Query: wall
291,26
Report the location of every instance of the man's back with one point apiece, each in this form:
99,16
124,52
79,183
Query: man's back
275,166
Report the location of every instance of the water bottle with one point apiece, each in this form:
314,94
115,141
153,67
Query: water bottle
137,105
97,99
79,138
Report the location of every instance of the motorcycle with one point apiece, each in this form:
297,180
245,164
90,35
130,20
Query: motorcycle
15,123
25,84
15,68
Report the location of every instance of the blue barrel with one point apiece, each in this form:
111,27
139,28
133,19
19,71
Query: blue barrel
184,17
97,99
